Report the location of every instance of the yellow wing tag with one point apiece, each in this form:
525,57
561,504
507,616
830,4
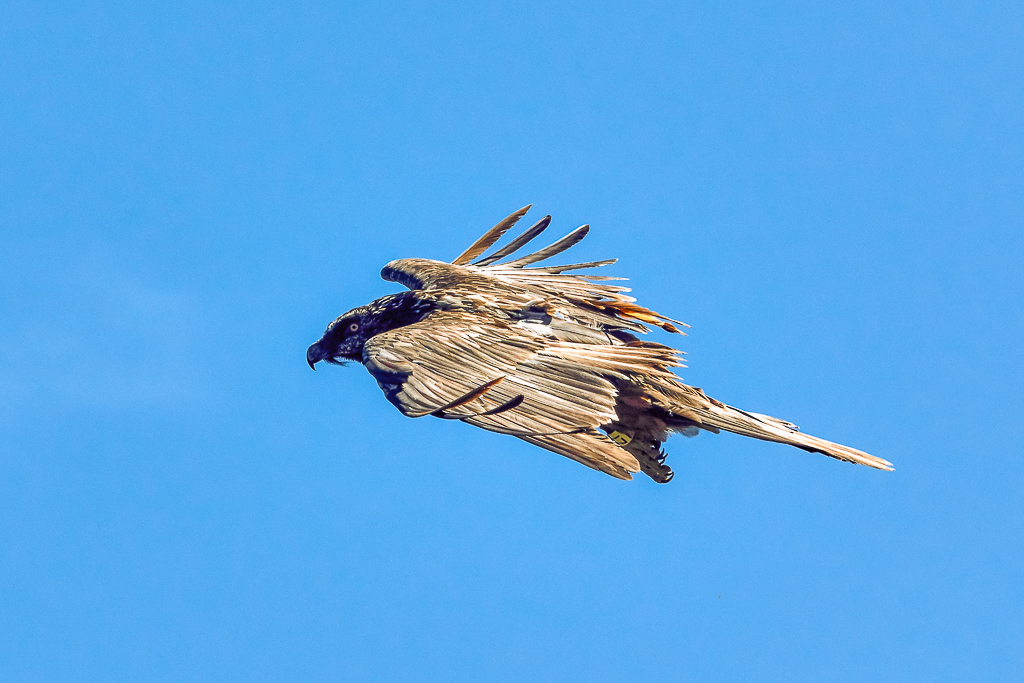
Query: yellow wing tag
620,438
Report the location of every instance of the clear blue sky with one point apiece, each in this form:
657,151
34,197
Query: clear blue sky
830,195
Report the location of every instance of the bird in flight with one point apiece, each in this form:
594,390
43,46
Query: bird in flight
542,354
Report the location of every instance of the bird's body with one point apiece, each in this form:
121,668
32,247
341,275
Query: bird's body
545,356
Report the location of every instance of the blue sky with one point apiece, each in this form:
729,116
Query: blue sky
830,195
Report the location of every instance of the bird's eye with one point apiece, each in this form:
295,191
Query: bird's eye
353,327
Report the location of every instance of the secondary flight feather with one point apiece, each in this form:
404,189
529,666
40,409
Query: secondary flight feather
548,357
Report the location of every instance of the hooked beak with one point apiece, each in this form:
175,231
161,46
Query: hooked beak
314,355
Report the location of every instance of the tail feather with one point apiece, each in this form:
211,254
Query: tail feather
717,416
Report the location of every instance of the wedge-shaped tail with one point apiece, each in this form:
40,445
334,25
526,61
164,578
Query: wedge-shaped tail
717,416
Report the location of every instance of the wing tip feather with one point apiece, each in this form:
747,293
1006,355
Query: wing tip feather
490,237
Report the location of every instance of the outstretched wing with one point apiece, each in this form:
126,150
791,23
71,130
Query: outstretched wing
583,298
502,378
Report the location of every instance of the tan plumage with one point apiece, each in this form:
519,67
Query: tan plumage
549,357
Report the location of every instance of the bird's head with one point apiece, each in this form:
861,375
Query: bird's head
343,340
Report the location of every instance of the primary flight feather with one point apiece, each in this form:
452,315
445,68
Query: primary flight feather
549,357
